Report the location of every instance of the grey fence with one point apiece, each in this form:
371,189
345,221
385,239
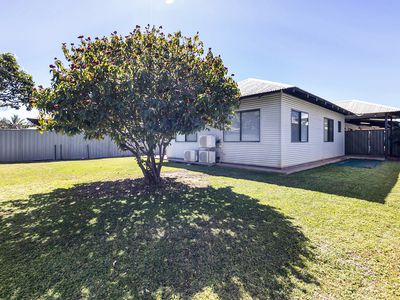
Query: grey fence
394,149
365,142
31,145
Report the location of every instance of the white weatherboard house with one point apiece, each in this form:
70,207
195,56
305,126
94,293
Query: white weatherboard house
276,126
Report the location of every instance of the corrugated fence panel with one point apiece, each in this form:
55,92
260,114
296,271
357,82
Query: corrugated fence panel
31,145
357,142
365,142
34,146
394,145
396,149
377,142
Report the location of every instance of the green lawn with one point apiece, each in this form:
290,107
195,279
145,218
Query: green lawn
89,229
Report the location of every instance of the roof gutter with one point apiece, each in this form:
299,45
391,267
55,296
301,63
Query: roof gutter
375,115
306,96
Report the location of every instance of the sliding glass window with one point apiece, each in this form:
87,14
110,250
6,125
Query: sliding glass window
233,134
328,130
299,126
245,127
186,137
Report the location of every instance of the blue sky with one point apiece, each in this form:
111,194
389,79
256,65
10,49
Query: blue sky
335,49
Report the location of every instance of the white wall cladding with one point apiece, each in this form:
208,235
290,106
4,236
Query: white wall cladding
176,149
31,145
267,151
275,148
316,148
263,153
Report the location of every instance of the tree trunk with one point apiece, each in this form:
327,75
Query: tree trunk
152,179
150,168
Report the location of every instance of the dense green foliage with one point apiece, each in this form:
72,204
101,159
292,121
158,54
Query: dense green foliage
15,85
141,90
90,230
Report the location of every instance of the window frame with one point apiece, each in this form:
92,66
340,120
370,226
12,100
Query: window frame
333,130
300,131
240,127
339,126
186,141
186,135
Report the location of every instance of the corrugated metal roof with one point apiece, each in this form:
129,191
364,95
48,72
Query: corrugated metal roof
361,107
253,86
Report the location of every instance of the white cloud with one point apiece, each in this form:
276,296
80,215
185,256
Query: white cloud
169,1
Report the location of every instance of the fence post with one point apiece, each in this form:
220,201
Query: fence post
369,142
55,152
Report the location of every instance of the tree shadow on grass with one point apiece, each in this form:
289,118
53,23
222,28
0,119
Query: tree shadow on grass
372,185
118,239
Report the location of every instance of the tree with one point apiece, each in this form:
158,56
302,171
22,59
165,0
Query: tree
15,85
4,123
15,122
141,90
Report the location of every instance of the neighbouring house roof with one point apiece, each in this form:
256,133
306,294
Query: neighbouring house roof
33,121
362,107
256,87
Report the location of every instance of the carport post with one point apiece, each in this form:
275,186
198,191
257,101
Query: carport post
391,136
386,141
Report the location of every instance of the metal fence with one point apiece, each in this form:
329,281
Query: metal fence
31,145
395,152
394,149
365,142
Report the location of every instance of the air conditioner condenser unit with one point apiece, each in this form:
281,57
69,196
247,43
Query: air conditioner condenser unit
208,157
207,141
190,155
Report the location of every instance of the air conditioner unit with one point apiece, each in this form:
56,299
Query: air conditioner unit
207,141
207,157
190,155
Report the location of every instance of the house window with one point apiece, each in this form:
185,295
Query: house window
339,126
233,134
328,130
191,137
186,137
299,126
245,127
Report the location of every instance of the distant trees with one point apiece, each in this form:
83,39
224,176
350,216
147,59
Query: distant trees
3,123
15,85
15,122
